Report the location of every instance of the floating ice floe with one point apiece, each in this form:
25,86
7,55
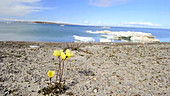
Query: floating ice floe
110,37
127,36
131,33
144,39
61,25
88,31
83,39
99,32
105,40
105,27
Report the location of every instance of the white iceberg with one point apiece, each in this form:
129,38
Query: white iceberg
144,39
105,27
83,39
105,40
110,37
127,36
61,25
99,32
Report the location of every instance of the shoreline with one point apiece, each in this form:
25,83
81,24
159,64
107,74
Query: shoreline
123,69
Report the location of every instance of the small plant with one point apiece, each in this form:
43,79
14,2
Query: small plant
51,74
62,57
58,86
73,46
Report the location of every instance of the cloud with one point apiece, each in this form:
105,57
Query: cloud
106,3
140,24
85,22
18,7
8,19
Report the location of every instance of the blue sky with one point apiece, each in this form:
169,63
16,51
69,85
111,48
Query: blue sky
131,13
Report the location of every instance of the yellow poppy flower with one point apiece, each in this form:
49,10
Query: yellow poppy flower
57,53
61,50
51,73
63,56
69,53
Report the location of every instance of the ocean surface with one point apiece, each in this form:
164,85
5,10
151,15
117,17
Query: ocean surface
58,33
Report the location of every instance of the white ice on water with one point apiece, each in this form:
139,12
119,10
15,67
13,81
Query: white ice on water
83,39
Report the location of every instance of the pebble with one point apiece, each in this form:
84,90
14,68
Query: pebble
94,79
34,46
1,63
95,90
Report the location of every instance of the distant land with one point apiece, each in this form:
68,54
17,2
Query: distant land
40,22
57,23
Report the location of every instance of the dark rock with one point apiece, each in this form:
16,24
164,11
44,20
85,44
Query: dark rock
1,60
87,73
69,93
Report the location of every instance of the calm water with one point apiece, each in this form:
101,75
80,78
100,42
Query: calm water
57,33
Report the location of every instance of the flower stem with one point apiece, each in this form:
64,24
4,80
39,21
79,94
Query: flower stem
58,70
50,81
62,72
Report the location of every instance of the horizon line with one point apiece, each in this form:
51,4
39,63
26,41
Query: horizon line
78,24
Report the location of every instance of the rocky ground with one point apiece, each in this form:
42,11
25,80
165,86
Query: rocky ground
101,69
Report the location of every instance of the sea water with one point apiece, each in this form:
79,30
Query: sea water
57,33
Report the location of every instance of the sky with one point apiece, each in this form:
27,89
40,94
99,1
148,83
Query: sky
126,13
